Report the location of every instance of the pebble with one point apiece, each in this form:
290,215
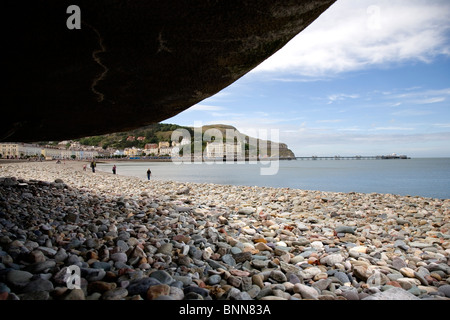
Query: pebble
162,276
184,241
306,291
18,278
115,294
158,290
392,294
214,279
445,289
278,276
345,229
332,259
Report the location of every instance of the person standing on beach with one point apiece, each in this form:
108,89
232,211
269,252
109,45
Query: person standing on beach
149,173
93,165
114,169
84,167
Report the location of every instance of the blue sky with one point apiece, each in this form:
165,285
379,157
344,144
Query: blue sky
365,78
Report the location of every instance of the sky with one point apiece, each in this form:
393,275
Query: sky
365,78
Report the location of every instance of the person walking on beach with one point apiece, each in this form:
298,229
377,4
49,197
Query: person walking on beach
114,169
149,173
93,165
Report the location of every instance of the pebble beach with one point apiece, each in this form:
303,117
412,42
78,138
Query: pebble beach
132,239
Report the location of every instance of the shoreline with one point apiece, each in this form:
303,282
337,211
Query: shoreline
210,241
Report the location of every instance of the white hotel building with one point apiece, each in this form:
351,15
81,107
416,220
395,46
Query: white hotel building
218,150
22,150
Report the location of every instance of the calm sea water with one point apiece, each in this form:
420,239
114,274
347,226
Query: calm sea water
428,177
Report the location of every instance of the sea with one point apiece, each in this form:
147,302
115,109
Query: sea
426,177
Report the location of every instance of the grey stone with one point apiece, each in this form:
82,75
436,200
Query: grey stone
392,294
4,288
349,293
445,289
72,217
214,279
253,291
266,291
235,281
195,252
38,285
301,242
342,277
163,297
293,278
332,259
75,294
193,296
229,260
166,248
140,287
201,291
115,294
235,250
398,263
305,291
101,265
290,268
242,296
401,244
418,244
246,210
243,256
322,284
40,267
415,291
119,257
48,251
421,278
215,264
18,277
162,276
345,229
122,245
35,295
278,276
260,264
92,274
176,293
186,280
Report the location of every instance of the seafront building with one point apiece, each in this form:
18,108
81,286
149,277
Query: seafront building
133,152
24,150
219,150
151,149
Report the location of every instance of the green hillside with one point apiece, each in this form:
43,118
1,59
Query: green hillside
160,132
153,134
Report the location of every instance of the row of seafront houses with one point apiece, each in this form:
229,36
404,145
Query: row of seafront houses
26,150
73,150
163,149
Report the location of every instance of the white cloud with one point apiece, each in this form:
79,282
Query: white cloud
411,113
442,125
330,121
430,100
419,97
341,96
354,35
200,107
392,129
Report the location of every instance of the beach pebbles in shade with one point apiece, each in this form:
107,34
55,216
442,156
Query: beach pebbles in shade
116,238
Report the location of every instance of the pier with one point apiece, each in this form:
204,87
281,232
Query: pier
354,157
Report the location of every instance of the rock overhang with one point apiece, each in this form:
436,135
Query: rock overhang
132,63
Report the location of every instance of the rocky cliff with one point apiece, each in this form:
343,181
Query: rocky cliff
131,63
